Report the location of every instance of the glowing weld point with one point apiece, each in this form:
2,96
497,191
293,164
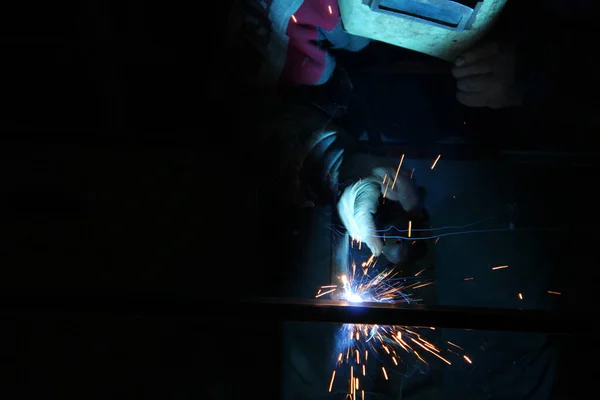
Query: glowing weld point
380,288
354,298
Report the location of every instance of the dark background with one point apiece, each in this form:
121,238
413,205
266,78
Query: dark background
114,180
122,172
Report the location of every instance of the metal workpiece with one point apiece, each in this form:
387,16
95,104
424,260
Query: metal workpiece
468,318
233,310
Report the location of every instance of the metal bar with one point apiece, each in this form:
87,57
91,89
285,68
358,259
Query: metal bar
471,318
284,309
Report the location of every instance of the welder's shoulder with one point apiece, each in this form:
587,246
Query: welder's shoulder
249,35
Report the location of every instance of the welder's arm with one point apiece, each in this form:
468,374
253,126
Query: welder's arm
316,158
486,77
309,151
539,58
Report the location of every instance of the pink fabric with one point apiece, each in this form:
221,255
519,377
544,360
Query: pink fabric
305,61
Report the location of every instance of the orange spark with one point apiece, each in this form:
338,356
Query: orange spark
398,170
294,19
409,227
455,345
332,378
436,160
500,267
324,293
386,188
420,358
423,285
432,352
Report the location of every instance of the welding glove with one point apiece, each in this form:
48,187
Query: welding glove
404,189
358,203
486,77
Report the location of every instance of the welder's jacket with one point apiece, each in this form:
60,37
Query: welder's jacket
308,153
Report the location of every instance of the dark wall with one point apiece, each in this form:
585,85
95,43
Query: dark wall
109,65
114,179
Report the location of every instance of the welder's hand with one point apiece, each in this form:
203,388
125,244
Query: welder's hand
357,207
485,77
358,203
399,188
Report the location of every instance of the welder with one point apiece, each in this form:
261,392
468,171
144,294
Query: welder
319,163
493,73
514,65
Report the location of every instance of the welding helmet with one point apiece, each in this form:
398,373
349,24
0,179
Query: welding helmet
440,28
